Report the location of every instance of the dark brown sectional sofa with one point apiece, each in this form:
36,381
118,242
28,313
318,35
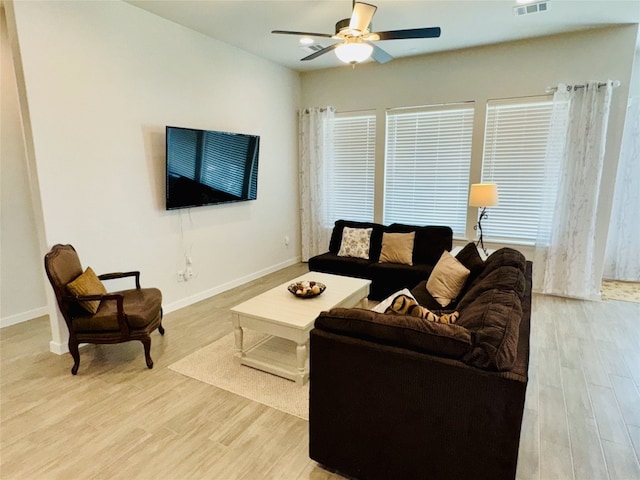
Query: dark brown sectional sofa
386,278
394,396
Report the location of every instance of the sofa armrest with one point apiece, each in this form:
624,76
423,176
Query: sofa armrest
405,331
379,411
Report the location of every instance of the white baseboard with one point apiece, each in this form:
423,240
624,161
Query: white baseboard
62,348
23,317
185,302
58,348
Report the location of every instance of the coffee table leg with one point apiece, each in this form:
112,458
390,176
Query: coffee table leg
239,334
301,354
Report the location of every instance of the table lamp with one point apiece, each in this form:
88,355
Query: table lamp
483,195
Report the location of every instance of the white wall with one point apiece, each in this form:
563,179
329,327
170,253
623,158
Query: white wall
516,69
21,272
102,79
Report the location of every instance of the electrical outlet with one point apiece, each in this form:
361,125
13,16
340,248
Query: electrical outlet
181,275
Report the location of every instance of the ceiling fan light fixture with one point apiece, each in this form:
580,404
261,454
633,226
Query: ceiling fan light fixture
353,52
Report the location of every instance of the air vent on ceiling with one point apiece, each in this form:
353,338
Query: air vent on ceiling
312,48
531,8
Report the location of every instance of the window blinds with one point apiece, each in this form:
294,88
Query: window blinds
428,156
351,169
515,148
224,161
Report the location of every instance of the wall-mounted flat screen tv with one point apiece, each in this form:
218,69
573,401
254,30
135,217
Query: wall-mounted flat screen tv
208,167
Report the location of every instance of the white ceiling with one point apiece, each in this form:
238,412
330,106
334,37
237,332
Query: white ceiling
247,24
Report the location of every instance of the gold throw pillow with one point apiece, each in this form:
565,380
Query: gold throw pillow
87,283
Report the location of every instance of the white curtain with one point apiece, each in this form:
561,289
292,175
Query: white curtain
565,249
315,131
622,260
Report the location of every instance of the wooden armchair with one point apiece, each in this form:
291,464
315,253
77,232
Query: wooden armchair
94,316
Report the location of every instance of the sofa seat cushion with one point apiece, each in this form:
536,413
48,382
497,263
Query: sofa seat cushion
404,331
424,298
430,241
142,306
332,263
494,321
389,277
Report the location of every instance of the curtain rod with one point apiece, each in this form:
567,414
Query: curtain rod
615,84
321,109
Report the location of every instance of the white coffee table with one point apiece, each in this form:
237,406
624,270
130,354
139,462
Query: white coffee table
288,320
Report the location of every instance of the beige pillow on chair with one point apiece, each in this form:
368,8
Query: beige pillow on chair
447,279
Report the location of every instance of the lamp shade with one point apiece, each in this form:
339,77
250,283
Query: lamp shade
353,52
483,195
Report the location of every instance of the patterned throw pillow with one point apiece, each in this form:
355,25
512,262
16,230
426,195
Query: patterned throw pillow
355,242
87,283
386,303
405,305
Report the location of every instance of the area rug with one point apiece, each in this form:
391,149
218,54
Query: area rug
215,365
615,290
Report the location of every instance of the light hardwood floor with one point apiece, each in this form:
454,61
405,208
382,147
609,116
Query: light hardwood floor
118,420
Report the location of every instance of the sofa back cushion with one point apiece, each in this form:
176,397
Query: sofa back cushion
494,321
429,243
375,244
505,257
402,331
506,278
470,258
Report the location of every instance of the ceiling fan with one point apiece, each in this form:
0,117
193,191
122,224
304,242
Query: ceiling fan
357,40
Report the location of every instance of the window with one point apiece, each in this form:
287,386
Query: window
515,148
351,169
427,166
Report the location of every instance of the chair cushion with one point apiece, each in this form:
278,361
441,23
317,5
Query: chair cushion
87,283
332,263
141,307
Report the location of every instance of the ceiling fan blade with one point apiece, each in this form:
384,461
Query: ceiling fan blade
321,52
361,16
307,34
379,55
432,32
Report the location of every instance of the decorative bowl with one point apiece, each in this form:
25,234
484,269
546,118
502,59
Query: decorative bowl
307,289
